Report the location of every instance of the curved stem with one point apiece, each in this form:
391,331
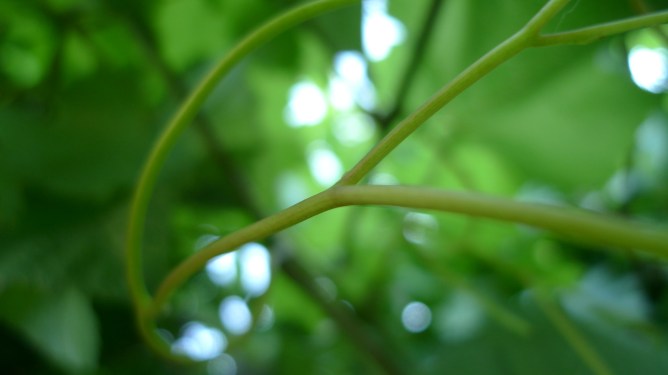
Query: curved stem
592,33
139,294
254,232
570,223
502,53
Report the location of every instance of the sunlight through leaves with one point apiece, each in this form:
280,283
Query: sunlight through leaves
255,264
325,166
222,270
380,31
200,342
649,68
235,315
306,105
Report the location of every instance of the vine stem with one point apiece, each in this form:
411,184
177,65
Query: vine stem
593,33
134,271
574,224
579,225
502,53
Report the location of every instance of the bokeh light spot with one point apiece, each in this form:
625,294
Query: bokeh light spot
649,68
353,129
222,270
306,105
291,189
255,263
380,31
419,227
235,315
325,166
200,342
266,319
351,83
223,365
416,317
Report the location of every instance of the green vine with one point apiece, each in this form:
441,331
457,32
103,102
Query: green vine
571,223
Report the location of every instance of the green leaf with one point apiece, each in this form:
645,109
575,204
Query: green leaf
562,116
61,325
89,146
340,30
27,47
572,131
189,32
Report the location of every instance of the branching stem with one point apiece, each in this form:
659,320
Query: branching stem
570,223
593,33
502,53
134,268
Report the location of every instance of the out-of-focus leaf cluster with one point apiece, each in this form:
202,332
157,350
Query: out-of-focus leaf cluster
86,86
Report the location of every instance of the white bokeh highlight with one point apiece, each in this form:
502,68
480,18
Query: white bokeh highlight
255,264
307,105
324,165
235,315
380,31
200,342
416,317
351,129
222,270
649,68
350,85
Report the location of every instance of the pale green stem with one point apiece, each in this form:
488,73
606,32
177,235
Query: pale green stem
140,296
587,227
502,53
593,33
571,223
254,232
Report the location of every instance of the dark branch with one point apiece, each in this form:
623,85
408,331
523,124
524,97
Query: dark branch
384,120
344,318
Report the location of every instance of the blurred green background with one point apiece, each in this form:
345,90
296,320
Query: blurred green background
86,87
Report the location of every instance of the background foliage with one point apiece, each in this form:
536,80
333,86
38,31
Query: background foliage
85,86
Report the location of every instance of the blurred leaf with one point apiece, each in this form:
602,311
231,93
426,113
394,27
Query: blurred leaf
339,30
88,147
27,46
62,326
572,132
86,86
189,31
545,351
546,109
65,244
